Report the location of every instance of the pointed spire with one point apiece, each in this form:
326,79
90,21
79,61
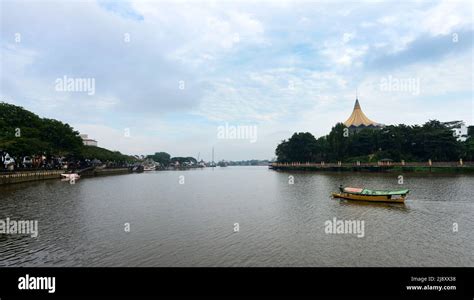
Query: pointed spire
358,118
357,105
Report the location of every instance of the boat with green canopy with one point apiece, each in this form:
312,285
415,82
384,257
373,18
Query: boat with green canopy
362,194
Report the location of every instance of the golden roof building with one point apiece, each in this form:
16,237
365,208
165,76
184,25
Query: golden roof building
358,120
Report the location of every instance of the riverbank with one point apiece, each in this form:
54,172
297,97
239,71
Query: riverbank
412,167
25,176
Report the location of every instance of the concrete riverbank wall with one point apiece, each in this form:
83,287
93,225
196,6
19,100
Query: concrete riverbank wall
25,176
103,172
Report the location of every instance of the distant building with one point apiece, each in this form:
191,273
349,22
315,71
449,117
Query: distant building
358,120
460,133
87,141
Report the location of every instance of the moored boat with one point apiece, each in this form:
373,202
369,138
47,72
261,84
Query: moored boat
362,194
149,168
71,175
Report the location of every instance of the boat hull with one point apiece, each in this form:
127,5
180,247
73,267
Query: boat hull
371,198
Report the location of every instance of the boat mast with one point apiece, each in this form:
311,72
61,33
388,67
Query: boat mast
213,164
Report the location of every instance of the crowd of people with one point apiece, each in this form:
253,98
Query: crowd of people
40,161
10,162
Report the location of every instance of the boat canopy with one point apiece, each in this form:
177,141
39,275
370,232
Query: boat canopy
362,191
353,190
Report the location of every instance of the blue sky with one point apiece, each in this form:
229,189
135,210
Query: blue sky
282,66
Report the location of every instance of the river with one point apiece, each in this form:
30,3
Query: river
163,219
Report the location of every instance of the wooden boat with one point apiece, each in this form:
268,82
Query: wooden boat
361,194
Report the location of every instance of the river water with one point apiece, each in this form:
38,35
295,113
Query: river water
190,220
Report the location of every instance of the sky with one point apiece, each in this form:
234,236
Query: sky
182,76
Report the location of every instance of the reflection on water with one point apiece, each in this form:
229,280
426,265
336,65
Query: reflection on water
281,224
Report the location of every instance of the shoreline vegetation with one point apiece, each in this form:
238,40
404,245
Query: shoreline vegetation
441,167
431,147
34,148
46,141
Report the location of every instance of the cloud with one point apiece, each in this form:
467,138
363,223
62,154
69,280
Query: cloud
172,71
424,49
447,17
91,43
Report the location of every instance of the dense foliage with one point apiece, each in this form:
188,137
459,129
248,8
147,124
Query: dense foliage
161,157
22,133
433,140
102,154
252,162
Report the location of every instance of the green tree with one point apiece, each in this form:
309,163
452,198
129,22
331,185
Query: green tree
102,154
301,147
161,157
468,149
338,140
24,133
433,140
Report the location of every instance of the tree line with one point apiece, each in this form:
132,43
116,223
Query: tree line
23,133
433,140
165,159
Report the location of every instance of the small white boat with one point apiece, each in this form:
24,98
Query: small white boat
71,176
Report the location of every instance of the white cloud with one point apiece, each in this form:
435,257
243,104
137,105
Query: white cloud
447,16
284,66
